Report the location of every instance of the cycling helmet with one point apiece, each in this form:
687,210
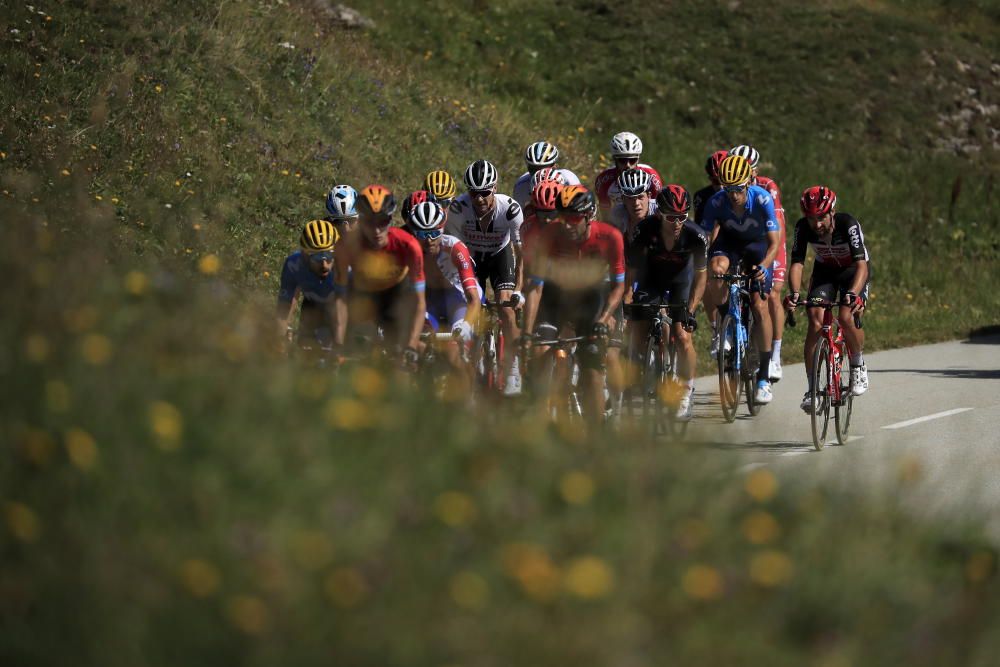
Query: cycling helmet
440,184
818,201
673,200
340,203
545,194
426,215
749,153
318,236
633,182
575,199
625,144
713,162
734,170
376,200
547,174
541,154
480,175
414,198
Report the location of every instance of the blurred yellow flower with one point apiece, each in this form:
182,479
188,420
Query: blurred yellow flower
580,129
81,448
36,348
576,487
136,282
702,582
22,522
93,147
209,264
348,414
910,469
368,382
469,590
158,88
114,200
284,172
65,172
980,566
98,198
57,396
760,528
531,567
771,568
199,577
96,349
167,424
346,587
312,549
589,577
248,614
455,508
37,446
762,485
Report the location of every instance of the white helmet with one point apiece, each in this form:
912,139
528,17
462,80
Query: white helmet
340,203
748,153
633,182
426,216
480,175
547,174
541,154
626,144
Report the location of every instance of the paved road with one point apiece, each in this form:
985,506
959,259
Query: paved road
931,418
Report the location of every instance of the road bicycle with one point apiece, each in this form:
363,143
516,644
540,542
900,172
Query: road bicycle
830,387
492,347
738,357
555,377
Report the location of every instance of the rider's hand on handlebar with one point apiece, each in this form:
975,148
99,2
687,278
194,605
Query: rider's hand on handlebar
758,272
516,299
410,357
853,301
691,324
463,330
791,301
600,330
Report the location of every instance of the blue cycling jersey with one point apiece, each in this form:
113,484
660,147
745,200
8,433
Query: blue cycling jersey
751,224
296,275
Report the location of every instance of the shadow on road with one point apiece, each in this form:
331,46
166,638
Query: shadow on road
956,373
989,335
770,446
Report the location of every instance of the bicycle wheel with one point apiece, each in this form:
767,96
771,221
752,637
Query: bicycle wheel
729,378
820,394
650,385
842,411
487,367
751,361
677,389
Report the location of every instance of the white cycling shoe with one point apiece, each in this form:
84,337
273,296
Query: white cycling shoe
684,407
859,379
807,404
763,395
774,370
512,387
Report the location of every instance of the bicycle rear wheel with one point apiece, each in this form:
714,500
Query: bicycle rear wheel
677,388
729,377
751,361
842,411
652,407
820,394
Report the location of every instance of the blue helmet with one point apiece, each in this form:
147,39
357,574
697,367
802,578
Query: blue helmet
340,203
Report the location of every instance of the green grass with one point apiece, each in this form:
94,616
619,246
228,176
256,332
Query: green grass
174,491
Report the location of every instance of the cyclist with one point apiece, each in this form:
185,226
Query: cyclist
625,151
780,260
309,272
636,202
387,275
538,156
490,225
577,283
670,253
746,235
453,293
841,270
702,196
341,207
441,186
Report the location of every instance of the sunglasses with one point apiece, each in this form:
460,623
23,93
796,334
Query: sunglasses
627,160
427,234
675,218
732,189
482,194
319,257
547,215
574,218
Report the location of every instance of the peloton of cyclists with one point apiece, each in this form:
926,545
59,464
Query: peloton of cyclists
539,156
626,149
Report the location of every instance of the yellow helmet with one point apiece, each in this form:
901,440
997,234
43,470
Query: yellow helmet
440,184
734,170
318,236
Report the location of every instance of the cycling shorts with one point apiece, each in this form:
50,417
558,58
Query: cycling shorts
314,324
500,269
382,306
830,283
676,288
742,256
446,305
780,264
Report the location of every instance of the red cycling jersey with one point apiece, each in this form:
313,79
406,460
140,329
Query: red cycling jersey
378,269
606,185
577,265
781,259
454,267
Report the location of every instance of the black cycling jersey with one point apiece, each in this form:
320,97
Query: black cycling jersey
845,246
649,256
700,199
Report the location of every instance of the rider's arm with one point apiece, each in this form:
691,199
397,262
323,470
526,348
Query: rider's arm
519,264
616,271
532,298
338,313
797,259
286,297
462,260
773,230
700,263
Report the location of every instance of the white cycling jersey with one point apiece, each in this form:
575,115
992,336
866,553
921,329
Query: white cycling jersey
498,228
522,189
456,266
619,219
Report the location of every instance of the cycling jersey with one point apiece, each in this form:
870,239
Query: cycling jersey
845,245
579,265
752,223
296,276
780,259
700,199
652,259
502,227
620,221
455,268
606,185
378,269
522,188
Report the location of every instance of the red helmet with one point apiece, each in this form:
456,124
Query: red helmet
545,195
817,201
673,200
414,198
713,162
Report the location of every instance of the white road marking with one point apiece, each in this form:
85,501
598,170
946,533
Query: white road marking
937,415
795,453
751,466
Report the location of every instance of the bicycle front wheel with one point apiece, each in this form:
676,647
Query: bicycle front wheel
751,361
820,393
678,388
652,407
842,411
729,374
